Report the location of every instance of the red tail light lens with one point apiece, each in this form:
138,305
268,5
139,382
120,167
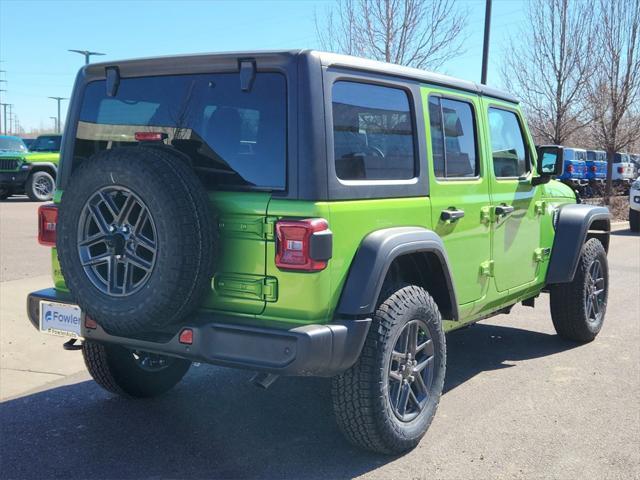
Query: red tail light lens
303,244
150,136
186,337
47,222
620,170
593,168
569,168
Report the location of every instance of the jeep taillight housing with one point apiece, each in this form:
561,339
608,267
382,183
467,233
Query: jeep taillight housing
569,168
593,169
620,169
304,245
47,222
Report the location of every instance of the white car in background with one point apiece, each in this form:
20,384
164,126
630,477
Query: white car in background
634,206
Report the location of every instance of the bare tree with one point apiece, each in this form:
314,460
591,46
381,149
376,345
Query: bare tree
615,84
418,33
549,63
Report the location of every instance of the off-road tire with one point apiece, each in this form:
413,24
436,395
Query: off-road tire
115,369
30,186
184,223
634,220
568,300
361,396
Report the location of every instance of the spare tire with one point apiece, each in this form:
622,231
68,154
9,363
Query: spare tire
135,239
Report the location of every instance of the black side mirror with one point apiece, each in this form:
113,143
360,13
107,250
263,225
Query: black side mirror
550,161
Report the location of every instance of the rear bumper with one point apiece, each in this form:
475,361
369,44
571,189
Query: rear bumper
311,350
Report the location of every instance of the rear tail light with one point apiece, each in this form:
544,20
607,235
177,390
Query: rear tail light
304,245
47,221
90,323
593,168
569,168
620,169
186,337
150,136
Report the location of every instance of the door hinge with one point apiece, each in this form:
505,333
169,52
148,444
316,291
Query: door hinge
485,214
242,226
541,254
249,287
486,268
540,207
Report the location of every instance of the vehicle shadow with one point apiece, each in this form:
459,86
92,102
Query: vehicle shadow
215,424
625,233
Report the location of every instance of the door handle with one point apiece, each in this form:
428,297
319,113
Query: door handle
451,215
504,209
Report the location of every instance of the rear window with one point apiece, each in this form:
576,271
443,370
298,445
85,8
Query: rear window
372,132
46,143
234,137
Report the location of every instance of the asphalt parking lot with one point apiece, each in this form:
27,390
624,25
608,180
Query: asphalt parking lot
519,402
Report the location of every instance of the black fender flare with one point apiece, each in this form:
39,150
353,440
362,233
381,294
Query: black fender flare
573,223
375,255
41,165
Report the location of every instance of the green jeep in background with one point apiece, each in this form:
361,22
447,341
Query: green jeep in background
32,171
305,213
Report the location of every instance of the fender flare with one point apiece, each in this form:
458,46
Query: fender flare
50,165
573,223
375,255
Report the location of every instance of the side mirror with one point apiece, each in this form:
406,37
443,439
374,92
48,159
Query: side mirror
550,161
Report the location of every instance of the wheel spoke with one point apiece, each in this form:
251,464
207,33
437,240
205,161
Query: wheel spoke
395,376
136,261
404,398
420,383
112,274
413,338
99,219
427,346
146,243
97,238
140,221
97,260
129,203
423,364
415,401
111,206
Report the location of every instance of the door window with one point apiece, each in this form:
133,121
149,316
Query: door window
453,138
508,147
372,132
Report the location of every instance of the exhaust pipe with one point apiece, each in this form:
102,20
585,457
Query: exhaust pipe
264,380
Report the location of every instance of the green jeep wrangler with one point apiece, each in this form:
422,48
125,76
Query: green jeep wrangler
33,171
305,213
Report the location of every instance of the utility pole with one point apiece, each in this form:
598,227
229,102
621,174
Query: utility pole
4,106
10,118
87,54
58,99
2,90
55,123
485,48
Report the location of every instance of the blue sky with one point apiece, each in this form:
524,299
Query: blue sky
35,37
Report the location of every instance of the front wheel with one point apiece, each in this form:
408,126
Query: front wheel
578,307
132,373
40,186
387,400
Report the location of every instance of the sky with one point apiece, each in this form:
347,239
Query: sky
35,37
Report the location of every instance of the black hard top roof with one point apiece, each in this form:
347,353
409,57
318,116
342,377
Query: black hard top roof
325,58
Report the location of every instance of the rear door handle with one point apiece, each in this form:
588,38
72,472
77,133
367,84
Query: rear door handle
504,209
451,215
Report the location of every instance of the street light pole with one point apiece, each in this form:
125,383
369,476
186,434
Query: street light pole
4,106
58,99
485,48
87,54
55,123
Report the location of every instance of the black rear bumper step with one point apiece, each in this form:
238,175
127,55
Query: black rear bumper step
311,350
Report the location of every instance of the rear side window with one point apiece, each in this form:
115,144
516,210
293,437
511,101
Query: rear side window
508,147
233,137
373,134
453,138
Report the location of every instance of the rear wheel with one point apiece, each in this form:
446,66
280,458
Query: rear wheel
578,307
40,186
387,400
634,220
132,373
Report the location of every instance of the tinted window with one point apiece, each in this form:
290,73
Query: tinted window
569,154
233,137
453,139
372,132
46,143
591,155
507,144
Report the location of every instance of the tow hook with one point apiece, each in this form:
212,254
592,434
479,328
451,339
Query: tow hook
71,344
264,380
